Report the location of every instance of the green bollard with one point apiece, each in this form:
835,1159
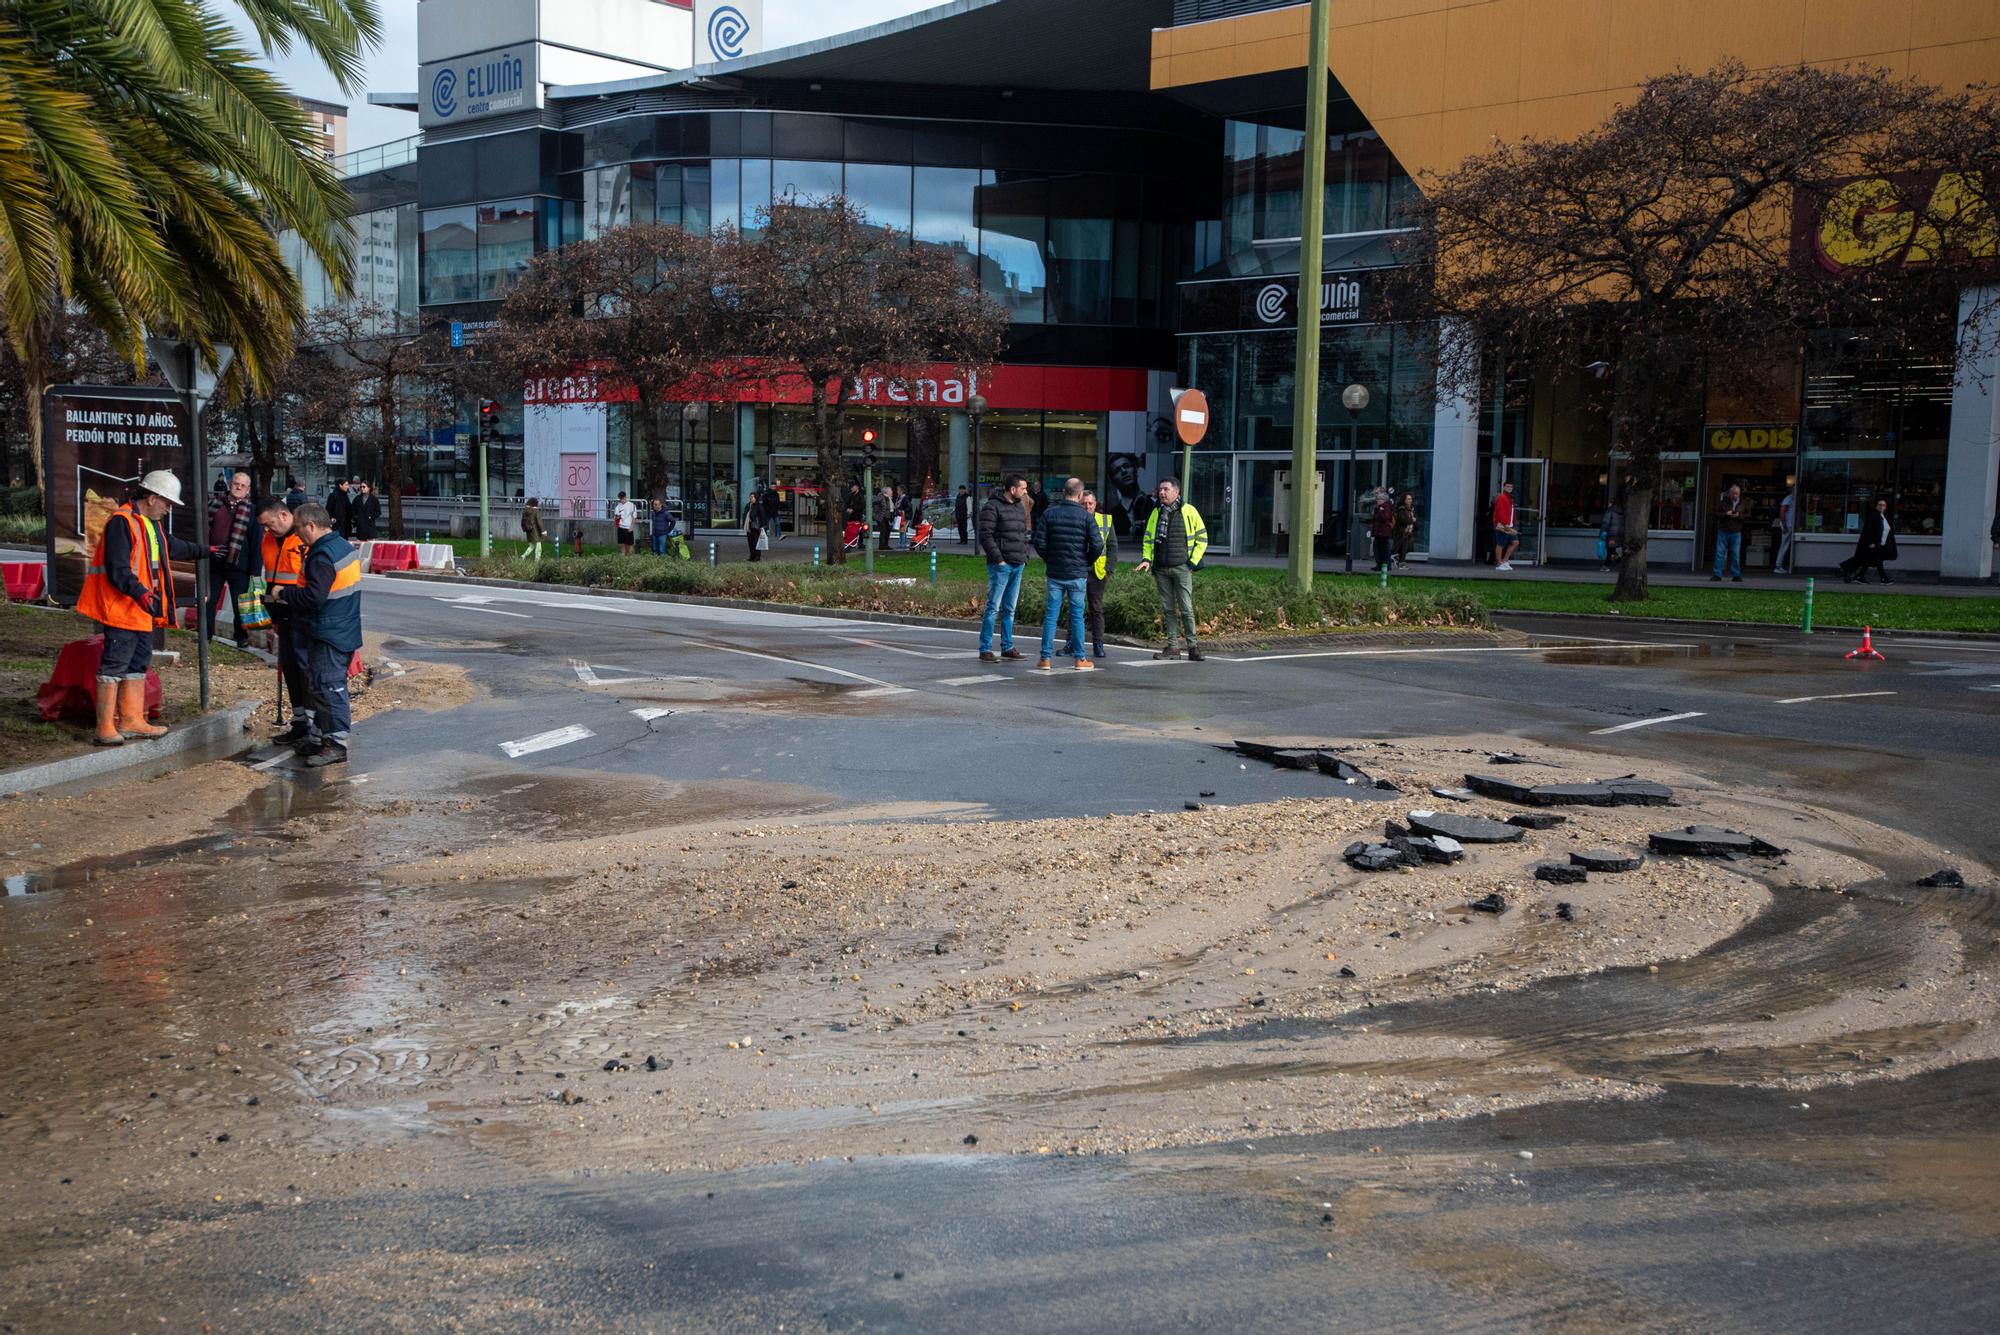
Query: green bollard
711,556
1809,598
815,556
933,568
1385,577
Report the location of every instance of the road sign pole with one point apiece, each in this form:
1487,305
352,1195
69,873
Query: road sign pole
1305,376
485,524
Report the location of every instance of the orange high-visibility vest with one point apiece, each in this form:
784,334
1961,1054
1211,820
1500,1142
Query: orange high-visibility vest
101,601
284,560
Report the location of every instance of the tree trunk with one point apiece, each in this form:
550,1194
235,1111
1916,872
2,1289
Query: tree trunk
34,380
832,474
1638,492
654,480
392,457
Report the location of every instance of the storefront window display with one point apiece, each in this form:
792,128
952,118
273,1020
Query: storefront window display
1877,418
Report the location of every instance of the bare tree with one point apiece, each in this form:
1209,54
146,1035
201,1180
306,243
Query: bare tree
1710,217
824,298
644,306
377,369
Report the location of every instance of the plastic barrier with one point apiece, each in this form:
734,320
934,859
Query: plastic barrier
71,690
391,556
25,580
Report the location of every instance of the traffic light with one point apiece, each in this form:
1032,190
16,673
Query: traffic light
489,416
868,437
868,446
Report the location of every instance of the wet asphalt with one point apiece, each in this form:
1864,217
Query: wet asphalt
1714,1207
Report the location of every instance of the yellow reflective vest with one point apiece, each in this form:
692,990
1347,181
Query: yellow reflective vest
1197,533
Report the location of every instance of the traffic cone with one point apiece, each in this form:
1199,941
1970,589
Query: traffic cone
1867,649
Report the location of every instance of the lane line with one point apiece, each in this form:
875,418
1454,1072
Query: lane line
651,712
546,741
587,674
970,681
1646,723
1851,695
1463,649
494,611
279,759
1945,644
887,687
898,649
883,690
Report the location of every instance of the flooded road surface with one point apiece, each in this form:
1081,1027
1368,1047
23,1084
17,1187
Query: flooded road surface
453,1040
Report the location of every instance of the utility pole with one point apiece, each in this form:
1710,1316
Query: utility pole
1305,376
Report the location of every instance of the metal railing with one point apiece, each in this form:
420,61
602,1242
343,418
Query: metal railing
392,154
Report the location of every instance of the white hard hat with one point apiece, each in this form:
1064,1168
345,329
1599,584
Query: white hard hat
162,484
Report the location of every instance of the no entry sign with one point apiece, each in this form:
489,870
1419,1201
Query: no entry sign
1190,415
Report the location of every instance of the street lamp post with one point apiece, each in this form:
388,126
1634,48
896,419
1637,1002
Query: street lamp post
1305,376
977,411
1354,398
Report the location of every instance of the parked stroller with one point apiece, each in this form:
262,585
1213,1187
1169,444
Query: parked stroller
920,536
851,540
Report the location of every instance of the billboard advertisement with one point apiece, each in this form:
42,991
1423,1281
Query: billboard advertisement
97,442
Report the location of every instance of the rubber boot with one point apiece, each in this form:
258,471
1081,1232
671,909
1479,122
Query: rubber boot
107,715
132,710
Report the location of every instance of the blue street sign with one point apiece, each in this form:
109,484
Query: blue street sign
458,333
336,450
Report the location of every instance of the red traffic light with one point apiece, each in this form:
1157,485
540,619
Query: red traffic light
868,437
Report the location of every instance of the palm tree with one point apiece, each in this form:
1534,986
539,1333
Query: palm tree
145,164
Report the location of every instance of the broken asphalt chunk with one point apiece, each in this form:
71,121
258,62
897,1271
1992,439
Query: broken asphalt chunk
1944,878
1493,903
1430,848
1336,768
1364,856
1608,860
1561,873
1629,791
1709,841
1465,829
1537,820
1284,757
1455,794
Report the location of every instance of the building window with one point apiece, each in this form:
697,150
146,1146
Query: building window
805,182
726,193
946,200
506,245
1013,223
1877,418
1080,266
450,255
882,192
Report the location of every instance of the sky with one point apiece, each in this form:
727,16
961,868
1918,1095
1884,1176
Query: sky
392,67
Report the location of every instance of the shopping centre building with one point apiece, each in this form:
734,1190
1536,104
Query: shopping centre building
1124,177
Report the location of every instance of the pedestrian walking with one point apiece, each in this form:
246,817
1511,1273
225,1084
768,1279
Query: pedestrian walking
773,506
326,605
283,554
1003,537
1382,527
230,537
1175,542
128,591
753,527
1100,576
367,513
531,528
340,506
1506,538
1784,527
1730,511
1611,537
961,513
1875,545
1405,529
625,517
1069,545
884,516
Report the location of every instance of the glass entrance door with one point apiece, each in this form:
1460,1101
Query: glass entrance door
1531,502
1342,502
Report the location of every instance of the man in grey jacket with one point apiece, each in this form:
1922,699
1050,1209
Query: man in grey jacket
1067,539
1003,537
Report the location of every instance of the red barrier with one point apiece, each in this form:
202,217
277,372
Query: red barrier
25,580
71,690
392,556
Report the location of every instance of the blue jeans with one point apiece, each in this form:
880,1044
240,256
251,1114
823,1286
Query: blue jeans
1003,590
659,539
1059,589
326,670
1728,552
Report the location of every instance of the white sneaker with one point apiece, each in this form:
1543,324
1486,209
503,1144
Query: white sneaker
1503,566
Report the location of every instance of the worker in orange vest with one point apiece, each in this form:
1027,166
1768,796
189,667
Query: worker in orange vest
284,568
128,591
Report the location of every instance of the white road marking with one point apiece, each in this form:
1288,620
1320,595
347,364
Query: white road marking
279,759
545,741
1461,649
1984,688
1851,695
882,690
651,712
898,649
1646,723
587,674
494,611
887,687
1957,670
1948,644
970,681
470,599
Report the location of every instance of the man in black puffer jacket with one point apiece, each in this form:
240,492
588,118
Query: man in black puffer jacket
1067,539
1003,536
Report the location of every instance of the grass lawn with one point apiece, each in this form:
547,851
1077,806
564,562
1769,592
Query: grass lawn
1883,609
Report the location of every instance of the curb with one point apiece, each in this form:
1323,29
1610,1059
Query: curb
1972,636
226,727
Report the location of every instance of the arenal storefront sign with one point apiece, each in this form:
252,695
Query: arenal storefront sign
1732,439
1244,304
943,387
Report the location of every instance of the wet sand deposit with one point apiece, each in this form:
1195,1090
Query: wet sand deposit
338,989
